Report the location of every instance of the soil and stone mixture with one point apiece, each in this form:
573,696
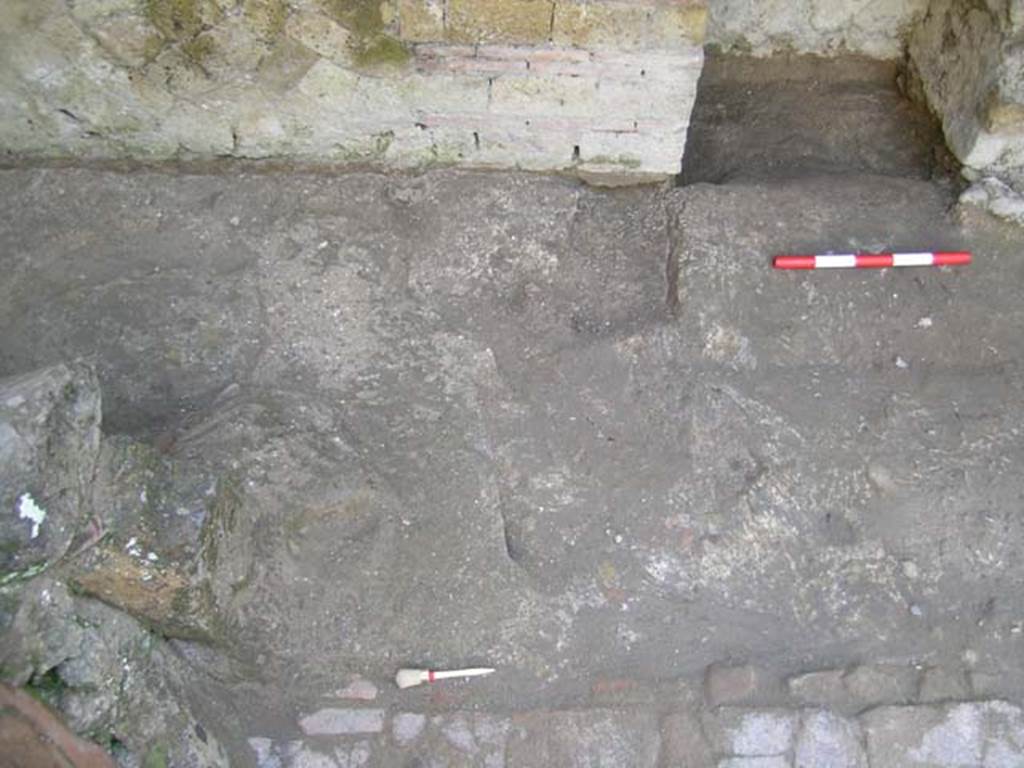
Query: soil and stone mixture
268,437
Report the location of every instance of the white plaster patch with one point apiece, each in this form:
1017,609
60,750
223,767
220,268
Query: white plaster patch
29,510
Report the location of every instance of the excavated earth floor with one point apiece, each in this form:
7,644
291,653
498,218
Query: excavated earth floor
588,437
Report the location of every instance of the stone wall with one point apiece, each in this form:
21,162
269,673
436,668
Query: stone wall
599,87
967,61
968,58
876,28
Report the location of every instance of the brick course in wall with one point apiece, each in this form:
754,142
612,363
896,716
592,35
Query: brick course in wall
603,87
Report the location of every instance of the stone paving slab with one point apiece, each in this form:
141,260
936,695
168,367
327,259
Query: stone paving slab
988,734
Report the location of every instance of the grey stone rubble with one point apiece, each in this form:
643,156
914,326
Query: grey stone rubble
49,449
882,720
996,197
111,678
967,62
876,29
879,726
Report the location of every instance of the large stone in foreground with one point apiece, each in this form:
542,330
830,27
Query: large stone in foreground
49,444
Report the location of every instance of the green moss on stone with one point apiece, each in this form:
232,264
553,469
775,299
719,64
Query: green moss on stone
47,688
181,603
13,577
371,45
156,757
176,19
381,50
361,17
198,49
152,47
266,17
220,520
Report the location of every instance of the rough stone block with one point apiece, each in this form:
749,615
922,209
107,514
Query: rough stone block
342,722
579,739
826,27
544,96
262,749
320,34
991,684
639,151
265,17
883,684
129,38
505,21
482,60
49,447
643,97
297,754
823,688
406,727
680,24
533,147
682,742
87,10
1004,735
829,741
972,80
157,594
906,737
422,147
749,732
938,684
358,689
329,85
628,25
755,762
449,94
736,684
480,736
601,24
224,51
620,691
421,21
260,135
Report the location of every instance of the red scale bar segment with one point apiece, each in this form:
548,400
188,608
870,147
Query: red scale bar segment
873,260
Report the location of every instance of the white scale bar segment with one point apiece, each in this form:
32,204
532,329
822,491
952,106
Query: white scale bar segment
835,261
913,259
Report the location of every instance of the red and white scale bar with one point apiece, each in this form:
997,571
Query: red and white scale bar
873,260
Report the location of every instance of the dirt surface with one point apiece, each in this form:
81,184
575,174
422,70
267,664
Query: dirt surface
790,117
575,434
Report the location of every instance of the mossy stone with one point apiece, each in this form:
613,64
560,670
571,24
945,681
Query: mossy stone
176,19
